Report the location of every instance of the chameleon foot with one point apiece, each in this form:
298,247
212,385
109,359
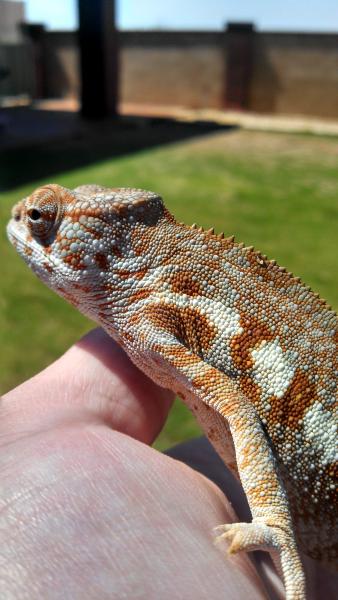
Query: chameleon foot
246,536
259,536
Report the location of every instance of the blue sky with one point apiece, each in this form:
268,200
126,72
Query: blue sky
289,15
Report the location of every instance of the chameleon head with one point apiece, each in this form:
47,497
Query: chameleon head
79,242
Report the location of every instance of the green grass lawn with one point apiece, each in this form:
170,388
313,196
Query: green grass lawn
278,192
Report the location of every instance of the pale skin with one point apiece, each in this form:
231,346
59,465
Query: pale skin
91,511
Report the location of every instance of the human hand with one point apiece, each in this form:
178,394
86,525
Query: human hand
89,510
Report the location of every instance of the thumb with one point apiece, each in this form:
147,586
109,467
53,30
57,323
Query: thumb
93,381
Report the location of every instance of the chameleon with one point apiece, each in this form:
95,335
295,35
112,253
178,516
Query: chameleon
246,345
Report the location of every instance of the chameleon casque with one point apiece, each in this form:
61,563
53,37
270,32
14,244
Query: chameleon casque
244,343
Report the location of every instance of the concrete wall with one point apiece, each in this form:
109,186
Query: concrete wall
172,68
295,74
291,73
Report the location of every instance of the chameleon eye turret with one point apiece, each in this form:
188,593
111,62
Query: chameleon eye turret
42,212
41,221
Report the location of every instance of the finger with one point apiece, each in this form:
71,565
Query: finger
93,381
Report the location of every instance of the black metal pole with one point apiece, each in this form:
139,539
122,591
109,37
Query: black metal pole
98,58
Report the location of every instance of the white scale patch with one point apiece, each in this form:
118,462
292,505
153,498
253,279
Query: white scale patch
273,369
320,429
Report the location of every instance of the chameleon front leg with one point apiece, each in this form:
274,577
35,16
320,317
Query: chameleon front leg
271,527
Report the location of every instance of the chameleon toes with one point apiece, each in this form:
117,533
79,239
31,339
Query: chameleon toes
259,536
246,536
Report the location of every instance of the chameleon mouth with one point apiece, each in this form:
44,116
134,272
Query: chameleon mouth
31,252
17,235
43,264
14,235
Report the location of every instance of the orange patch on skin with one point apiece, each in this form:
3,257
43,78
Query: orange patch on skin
288,409
250,389
128,336
134,319
183,283
245,462
28,251
292,406
140,274
74,261
125,274
243,343
269,270
177,355
188,325
95,212
139,295
140,249
202,381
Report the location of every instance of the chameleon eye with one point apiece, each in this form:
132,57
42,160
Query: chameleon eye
42,221
34,214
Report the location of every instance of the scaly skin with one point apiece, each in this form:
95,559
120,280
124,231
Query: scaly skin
246,345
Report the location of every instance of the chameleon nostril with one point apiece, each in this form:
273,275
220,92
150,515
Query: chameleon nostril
17,216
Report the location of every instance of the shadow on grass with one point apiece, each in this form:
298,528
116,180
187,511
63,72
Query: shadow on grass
36,144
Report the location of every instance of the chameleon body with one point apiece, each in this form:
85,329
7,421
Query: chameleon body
245,344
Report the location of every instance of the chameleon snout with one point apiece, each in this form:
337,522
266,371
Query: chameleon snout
17,211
